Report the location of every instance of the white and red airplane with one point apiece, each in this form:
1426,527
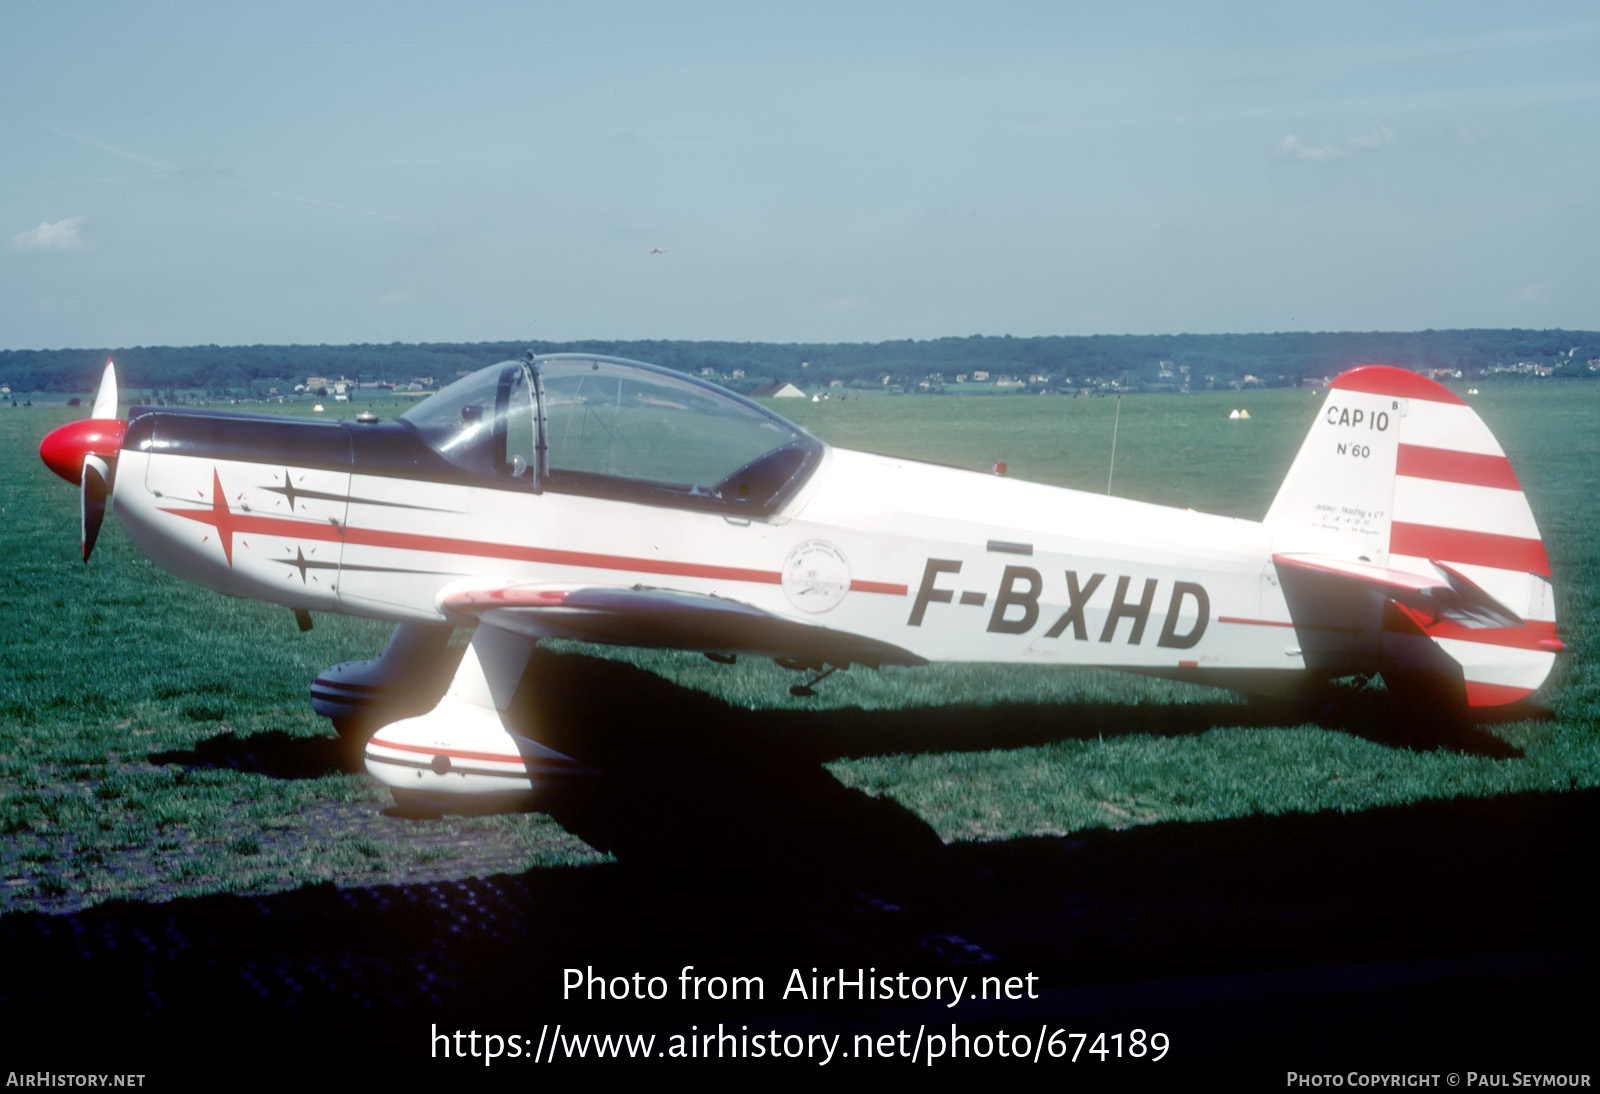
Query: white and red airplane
610,501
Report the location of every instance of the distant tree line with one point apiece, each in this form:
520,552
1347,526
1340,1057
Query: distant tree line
1126,360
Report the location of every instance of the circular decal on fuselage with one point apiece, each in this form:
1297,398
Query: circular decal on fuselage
815,576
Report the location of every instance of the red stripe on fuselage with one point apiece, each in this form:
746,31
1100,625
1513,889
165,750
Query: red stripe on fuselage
1447,465
888,588
234,523
1286,623
1254,622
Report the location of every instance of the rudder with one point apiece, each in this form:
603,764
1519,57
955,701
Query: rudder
1401,491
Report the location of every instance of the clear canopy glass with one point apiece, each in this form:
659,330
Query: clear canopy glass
602,426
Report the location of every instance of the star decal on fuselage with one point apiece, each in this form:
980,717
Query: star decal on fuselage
288,490
302,563
219,516
228,522
292,492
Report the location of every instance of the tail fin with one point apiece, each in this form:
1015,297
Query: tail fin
1402,519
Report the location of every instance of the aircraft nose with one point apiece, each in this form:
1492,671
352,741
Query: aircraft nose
64,449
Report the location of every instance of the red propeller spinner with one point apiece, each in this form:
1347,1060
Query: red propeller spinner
85,454
64,449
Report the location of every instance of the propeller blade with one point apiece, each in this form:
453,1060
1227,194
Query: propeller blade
105,400
85,454
94,493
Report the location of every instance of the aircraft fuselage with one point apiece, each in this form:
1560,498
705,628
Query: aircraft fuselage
365,519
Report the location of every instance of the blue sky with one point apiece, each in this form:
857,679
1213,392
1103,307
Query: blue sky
361,172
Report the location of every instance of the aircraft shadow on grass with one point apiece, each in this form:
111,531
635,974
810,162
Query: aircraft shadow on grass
1387,929
681,765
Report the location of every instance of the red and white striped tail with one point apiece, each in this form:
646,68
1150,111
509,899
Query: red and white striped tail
1399,473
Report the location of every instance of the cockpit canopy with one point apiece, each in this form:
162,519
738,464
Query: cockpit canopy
606,427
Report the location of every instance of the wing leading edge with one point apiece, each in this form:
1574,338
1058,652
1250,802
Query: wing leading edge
639,615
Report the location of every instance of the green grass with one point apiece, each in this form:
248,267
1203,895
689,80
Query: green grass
156,739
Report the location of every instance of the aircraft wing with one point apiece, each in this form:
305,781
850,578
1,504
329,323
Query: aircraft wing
638,615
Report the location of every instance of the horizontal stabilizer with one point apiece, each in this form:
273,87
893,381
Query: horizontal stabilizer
1446,595
1439,632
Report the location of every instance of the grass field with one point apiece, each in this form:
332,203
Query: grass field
156,739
